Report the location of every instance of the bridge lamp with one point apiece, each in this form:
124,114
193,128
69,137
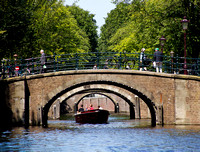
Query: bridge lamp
185,27
162,42
184,23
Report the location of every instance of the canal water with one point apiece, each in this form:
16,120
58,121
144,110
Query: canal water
119,135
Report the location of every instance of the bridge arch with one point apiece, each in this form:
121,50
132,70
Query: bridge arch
131,105
83,95
100,93
52,96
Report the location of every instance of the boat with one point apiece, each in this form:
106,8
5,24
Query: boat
96,116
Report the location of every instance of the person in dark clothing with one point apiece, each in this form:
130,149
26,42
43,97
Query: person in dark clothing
42,61
158,58
142,59
81,109
194,68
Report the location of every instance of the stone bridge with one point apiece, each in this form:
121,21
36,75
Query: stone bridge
173,99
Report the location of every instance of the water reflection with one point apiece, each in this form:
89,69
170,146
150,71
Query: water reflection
120,134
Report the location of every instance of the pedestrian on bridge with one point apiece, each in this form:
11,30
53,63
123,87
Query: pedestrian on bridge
95,66
42,62
142,59
158,58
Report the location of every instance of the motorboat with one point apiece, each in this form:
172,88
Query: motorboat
96,116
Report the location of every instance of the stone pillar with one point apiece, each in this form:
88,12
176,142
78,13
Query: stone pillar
137,108
132,111
160,120
117,108
17,102
39,116
181,107
75,107
56,109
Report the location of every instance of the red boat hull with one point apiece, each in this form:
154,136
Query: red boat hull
92,116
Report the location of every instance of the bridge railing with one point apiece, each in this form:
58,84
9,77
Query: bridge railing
97,60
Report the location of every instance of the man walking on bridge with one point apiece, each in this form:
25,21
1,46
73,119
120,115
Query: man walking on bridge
42,61
158,58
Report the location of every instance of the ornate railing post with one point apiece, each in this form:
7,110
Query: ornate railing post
76,61
138,61
198,67
120,61
54,62
22,66
57,63
177,66
165,63
98,59
32,60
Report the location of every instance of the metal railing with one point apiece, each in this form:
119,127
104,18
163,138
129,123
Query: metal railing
96,60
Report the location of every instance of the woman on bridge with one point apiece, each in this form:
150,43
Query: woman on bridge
142,58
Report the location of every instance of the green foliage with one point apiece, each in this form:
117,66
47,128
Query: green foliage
116,19
15,19
28,26
87,23
57,31
148,22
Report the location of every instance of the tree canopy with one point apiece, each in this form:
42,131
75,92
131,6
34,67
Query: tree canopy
57,31
142,23
86,22
28,26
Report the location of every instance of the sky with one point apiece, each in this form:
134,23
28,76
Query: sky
99,8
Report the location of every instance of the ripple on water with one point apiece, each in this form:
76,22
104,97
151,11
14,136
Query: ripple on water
116,136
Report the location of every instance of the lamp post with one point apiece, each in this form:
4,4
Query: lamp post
162,42
185,26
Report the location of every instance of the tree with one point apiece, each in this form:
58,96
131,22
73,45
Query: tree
15,19
30,25
150,20
87,23
116,19
57,31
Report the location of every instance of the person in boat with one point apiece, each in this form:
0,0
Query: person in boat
100,108
90,107
81,109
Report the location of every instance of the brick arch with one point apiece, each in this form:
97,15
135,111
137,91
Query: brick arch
64,99
132,111
100,93
52,96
